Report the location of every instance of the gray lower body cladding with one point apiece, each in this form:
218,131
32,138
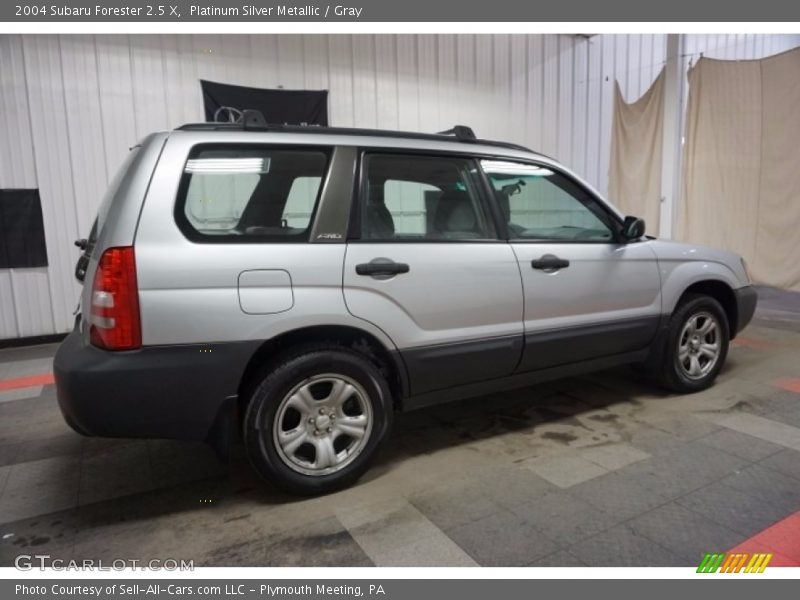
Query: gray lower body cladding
172,392
439,367
746,300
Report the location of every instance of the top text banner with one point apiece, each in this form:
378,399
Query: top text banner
255,11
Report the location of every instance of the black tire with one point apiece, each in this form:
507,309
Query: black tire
268,394
665,366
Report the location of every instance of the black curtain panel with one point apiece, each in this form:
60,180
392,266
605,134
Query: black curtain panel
21,230
292,107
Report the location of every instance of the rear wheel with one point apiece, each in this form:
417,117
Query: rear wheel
695,347
315,422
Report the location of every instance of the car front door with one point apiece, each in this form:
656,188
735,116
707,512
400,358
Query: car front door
587,294
427,266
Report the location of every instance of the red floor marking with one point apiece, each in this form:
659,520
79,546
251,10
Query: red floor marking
23,382
782,539
790,384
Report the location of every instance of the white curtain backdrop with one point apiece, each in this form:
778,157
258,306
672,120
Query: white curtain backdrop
741,171
634,175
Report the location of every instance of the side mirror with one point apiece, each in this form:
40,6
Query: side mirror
632,228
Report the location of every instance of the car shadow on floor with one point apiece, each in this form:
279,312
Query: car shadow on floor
191,479
557,405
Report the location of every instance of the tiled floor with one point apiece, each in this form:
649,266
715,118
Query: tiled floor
598,470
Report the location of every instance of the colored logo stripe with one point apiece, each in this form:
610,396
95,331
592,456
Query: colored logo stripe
734,562
710,563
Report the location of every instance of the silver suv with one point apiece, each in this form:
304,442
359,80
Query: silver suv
300,284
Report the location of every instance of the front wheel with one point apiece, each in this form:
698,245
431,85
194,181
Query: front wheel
696,345
315,422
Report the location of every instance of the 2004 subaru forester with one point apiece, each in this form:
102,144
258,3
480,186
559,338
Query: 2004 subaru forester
302,284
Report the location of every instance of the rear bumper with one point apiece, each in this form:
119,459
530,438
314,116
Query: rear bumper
174,392
746,300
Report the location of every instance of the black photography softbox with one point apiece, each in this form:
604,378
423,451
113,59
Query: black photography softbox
22,243
293,107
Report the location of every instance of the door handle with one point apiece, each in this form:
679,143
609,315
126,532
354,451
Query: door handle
549,263
381,268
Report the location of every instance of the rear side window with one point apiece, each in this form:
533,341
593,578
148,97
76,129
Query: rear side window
250,193
423,198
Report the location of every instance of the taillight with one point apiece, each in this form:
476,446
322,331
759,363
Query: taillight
114,318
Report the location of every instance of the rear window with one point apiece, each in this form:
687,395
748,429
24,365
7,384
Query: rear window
250,193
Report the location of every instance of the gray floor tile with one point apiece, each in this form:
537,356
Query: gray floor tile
4,471
564,518
320,544
51,534
652,440
20,394
117,470
513,486
614,456
786,461
62,445
740,444
766,485
437,550
38,449
395,534
317,549
685,427
38,351
39,488
25,367
502,540
732,508
562,558
687,468
452,506
174,462
8,454
618,494
761,427
624,547
564,470
684,532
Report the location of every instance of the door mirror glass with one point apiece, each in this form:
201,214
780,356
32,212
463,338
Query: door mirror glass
632,228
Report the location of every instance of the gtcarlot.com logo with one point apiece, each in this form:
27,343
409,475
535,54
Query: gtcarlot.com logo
28,562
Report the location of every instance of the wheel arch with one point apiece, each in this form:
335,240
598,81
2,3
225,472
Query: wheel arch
353,338
722,293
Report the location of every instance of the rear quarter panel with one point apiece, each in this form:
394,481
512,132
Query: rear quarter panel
119,212
189,292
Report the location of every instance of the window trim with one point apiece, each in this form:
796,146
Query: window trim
608,217
360,191
195,236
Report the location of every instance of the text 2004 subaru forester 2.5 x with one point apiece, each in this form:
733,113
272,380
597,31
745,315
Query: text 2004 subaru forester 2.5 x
302,284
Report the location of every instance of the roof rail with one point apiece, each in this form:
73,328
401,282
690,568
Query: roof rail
256,122
253,119
462,133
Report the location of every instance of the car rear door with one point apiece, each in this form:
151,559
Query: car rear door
426,265
587,295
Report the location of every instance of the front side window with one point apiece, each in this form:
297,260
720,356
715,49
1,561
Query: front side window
250,193
423,198
541,204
